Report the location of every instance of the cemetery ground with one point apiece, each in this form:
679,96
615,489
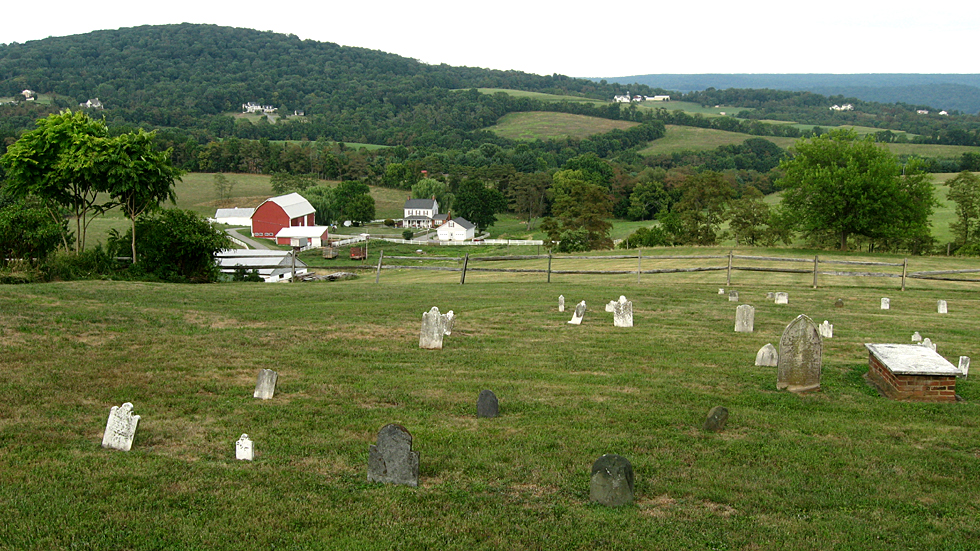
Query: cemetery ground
837,469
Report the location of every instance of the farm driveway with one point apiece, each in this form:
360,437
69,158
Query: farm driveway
247,240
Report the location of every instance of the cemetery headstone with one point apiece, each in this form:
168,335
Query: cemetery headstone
612,481
886,303
927,342
767,356
782,298
265,384
941,306
770,295
721,291
578,314
610,305
120,429
623,313
391,460
744,318
487,405
964,365
733,296
243,448
717,419
800,351
561,303
916,337
826,330
433,330
448,319
839,303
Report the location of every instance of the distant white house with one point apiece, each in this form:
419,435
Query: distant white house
457,229
272,266
234,217
91,104
944,113
657,98
922,111
252,107
28,94
418,213
845,107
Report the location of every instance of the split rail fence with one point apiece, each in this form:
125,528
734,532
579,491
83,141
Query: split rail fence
815,266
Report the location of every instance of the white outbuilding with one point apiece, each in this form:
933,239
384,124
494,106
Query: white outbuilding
457,229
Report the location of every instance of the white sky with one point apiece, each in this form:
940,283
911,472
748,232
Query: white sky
599,39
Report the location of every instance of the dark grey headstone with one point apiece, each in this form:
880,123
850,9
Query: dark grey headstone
612,481
800,355
717,419
839,303
392,460
486,404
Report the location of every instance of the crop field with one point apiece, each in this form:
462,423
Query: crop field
541,125
842,468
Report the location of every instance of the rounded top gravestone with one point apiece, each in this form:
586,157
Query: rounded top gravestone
612,481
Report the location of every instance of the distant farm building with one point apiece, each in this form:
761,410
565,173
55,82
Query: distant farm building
234,217
419,213
303,236
657,98
457,229
272,266
251,107
845,107
91,104
281,212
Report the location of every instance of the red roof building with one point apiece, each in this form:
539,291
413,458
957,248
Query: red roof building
281,212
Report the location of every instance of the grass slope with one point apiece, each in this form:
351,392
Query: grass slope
543,125
839,469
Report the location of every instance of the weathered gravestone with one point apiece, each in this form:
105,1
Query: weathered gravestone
826,330
744,318
839,303
916,337
623,312
800,351
578,314
767,356
612,481
886,303
717,419
391,460
120,429
733,296
770,295
265,384
243,448
487,405
433,329
610,305
782,298
448,319
561,303
964,365
941,306
927,342
721,291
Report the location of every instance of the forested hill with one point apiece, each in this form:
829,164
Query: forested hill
960,92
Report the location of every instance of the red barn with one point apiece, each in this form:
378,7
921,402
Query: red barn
281,212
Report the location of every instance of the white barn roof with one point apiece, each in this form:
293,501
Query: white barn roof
303,231
293,204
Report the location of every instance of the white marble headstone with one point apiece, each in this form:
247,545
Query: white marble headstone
885,303
120,429
448,319
744,318
782,298
243,448
826,329
610,305
941,306
561,303
927,342
767,356
721,291
965,365
265,384
623,312
916,337
578,314
433,329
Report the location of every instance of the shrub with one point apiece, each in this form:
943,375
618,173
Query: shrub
389,222
178,245
407,235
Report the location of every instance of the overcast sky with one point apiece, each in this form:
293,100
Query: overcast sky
598,39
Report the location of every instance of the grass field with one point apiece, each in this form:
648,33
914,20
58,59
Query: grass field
543,125
540,96
839,469
691,138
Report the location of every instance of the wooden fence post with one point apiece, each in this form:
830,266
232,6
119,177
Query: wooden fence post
462,277
729,279
549,266
639,264
381,257
905,271
816,260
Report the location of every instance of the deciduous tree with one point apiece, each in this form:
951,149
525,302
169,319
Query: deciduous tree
964,190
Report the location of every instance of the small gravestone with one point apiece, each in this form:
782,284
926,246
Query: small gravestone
733,296
610,305
782,298
800,351
721,291
826,330
120,429
391,460
941,306
433,329
243,448
839,303
578,314
448,319
770,295
612,481
717,419
916,337
623,312
927,342
744,318
767,356
561,303
886,303
265,384
486,404
964,365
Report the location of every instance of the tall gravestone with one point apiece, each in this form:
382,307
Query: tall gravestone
243,448
800,351
433,329
612,481
561,303
716,420
733,296
578,314
964,365
265,384
623,312
448,320
744,318
941,306
826,330
767,356
782,298
487,405
886,303
120,429
391,460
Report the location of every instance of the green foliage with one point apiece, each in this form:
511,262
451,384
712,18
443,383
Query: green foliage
27,231
322,199
646,237
389,223
477,202
528,195
964,190
407,235
428,188
178,245
578,205
251,276
702,208
223,186
352,201
647,201
283,182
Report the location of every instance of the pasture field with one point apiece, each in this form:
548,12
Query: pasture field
540,96
544,125
689,107
838,469
692,138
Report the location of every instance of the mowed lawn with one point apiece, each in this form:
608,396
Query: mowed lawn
839,469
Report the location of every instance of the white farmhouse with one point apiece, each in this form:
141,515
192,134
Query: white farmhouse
457,229
420,212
